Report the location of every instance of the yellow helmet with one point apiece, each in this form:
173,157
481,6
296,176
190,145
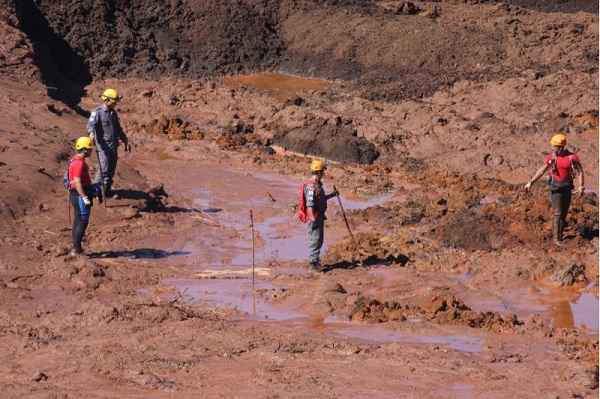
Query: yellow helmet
559,140
84,143
110,94
317,165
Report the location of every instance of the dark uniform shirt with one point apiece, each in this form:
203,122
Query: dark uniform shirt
105,127
315,198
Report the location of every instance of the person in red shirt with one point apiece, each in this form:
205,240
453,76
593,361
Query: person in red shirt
81,191
561,165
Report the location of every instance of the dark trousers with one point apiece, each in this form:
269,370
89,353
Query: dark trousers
80,220
561,201
107,166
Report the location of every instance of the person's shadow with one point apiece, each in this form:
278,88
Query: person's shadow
373,260
140,253
154,201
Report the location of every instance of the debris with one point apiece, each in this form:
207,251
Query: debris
39,376
570,275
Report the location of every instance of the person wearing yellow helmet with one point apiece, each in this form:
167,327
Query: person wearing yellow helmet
561,165
81,191
105,129
314,201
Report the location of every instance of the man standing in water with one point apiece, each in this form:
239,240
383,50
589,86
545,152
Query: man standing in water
562,165
316,206
105,129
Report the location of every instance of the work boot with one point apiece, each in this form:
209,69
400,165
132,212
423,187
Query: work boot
104,191
76,252
315,267
557,228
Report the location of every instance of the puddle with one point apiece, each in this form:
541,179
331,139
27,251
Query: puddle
456,391
233,294
585,311
376,200
280,85
461,343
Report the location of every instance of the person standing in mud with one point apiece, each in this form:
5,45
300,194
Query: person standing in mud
105,129
316,207
561,165
81,191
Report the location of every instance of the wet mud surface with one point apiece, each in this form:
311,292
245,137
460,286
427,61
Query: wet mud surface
450,286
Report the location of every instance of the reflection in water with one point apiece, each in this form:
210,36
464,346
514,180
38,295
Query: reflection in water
562,315
461,343
585,311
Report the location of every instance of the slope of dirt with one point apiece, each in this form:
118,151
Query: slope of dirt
370,43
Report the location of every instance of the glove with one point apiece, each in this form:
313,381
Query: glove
528,186
86,200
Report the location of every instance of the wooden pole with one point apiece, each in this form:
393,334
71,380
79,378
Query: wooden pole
347,225
252,230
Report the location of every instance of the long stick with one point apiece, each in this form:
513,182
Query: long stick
347,224
252,229
344,215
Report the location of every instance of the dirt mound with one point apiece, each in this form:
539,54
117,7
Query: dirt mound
368,249
443,310
174,128
334,139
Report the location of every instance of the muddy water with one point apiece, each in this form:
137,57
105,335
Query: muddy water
581,312
279,85
461,343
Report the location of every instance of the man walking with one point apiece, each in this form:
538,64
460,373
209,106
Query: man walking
81,191
316,207
562,165
105,129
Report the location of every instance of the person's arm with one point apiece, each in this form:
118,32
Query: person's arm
79,188
331,195
309,195
535,177
122,136
581,178
91,125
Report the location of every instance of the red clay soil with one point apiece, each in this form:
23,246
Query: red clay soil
451,288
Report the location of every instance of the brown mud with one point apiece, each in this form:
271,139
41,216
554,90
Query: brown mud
432,114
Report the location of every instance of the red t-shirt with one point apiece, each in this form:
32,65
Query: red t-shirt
564,161
78,168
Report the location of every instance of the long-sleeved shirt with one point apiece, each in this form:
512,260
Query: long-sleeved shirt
105,128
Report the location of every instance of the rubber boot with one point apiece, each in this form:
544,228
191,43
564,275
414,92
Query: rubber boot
557,229
104,191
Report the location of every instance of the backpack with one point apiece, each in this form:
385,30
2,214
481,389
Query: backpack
556,184
66,181
301,214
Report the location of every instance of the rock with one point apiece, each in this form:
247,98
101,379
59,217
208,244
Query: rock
296,100
39,376
569,275
408,8
334,139
532,74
